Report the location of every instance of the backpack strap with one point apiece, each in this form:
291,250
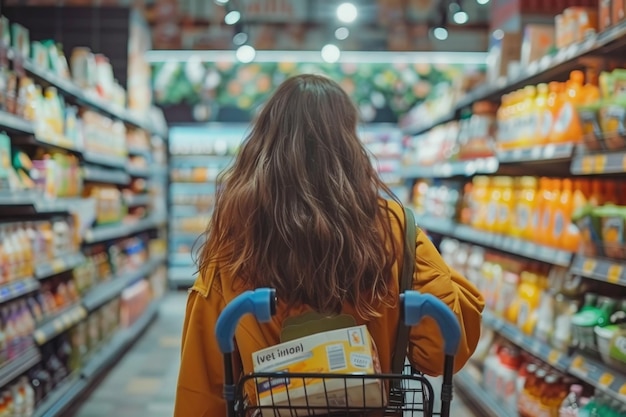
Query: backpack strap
406,283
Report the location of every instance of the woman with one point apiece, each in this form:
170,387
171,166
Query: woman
300,211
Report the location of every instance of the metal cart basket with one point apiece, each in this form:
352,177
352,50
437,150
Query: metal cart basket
407,394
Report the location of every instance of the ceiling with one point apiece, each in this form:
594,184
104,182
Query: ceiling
309,24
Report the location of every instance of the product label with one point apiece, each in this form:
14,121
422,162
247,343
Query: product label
564,119
492,213
546,123
523,314
559,225
523,216
546,220
503,213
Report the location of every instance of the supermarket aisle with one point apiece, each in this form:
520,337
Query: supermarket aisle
143,382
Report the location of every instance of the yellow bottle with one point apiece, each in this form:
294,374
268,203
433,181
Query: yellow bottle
528,116
493,205
543,120
479,201
529,295
506,207
525,206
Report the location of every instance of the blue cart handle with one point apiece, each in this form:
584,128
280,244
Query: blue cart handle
416,306
261,303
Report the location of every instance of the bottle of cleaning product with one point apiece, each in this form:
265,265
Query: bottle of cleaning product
549,202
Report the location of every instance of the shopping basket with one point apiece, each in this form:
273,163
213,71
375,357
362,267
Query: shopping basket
408,394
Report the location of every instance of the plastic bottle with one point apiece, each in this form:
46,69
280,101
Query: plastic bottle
543,120
507,377
506,207
554,104
29,396
596,197
547,208
493,204
528,117
480,200
552,234
528,297
563,214
567,126
571,239
524,402
550,398
545,318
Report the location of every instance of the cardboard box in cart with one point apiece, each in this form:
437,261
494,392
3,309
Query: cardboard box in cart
342,351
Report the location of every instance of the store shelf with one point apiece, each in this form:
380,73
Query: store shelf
435,224
559,360
61,264
548,154
182,276
418,130
18,289
116,231
73,387
36,203
137,200
106,291
61,397
19,366
15,124
111,352
105,176
139,172
58,143
180,260
202,159
60,323
602,163
477,395
139,151
605,270
452,169
496,241
600,375
112,161
68,88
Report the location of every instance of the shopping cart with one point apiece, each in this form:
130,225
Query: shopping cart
409,394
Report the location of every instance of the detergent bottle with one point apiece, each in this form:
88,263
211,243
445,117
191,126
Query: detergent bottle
563,237
549,200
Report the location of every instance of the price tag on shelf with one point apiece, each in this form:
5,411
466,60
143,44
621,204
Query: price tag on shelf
589,266
579,364
606,379
600,163
549,151
614,273
554,357
587,164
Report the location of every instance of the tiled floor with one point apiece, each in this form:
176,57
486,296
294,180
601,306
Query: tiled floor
143,382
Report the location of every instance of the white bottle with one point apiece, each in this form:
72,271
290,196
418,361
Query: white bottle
571,403
29,397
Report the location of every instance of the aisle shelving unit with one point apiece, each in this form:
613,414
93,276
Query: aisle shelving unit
27,205
197,154
557,159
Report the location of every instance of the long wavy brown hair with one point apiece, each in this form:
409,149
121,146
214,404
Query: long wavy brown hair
300,210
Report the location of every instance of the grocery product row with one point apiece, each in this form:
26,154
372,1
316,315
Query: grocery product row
538,312
528,57
86,78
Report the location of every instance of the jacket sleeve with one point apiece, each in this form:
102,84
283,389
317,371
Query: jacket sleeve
432,275
200,380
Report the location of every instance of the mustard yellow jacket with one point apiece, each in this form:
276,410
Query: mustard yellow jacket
199,391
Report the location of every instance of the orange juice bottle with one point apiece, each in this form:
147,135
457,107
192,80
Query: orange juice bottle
543,118
525,205
571,239
547,193
552,232
554,104
527,116
562,214
506,211
567,126
537,215
529,295
493,204
479,201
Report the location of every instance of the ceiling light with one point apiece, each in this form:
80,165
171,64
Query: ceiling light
460,17
221,2
346,12
330,53
246,54
440,33
342,33
232,17
482,1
